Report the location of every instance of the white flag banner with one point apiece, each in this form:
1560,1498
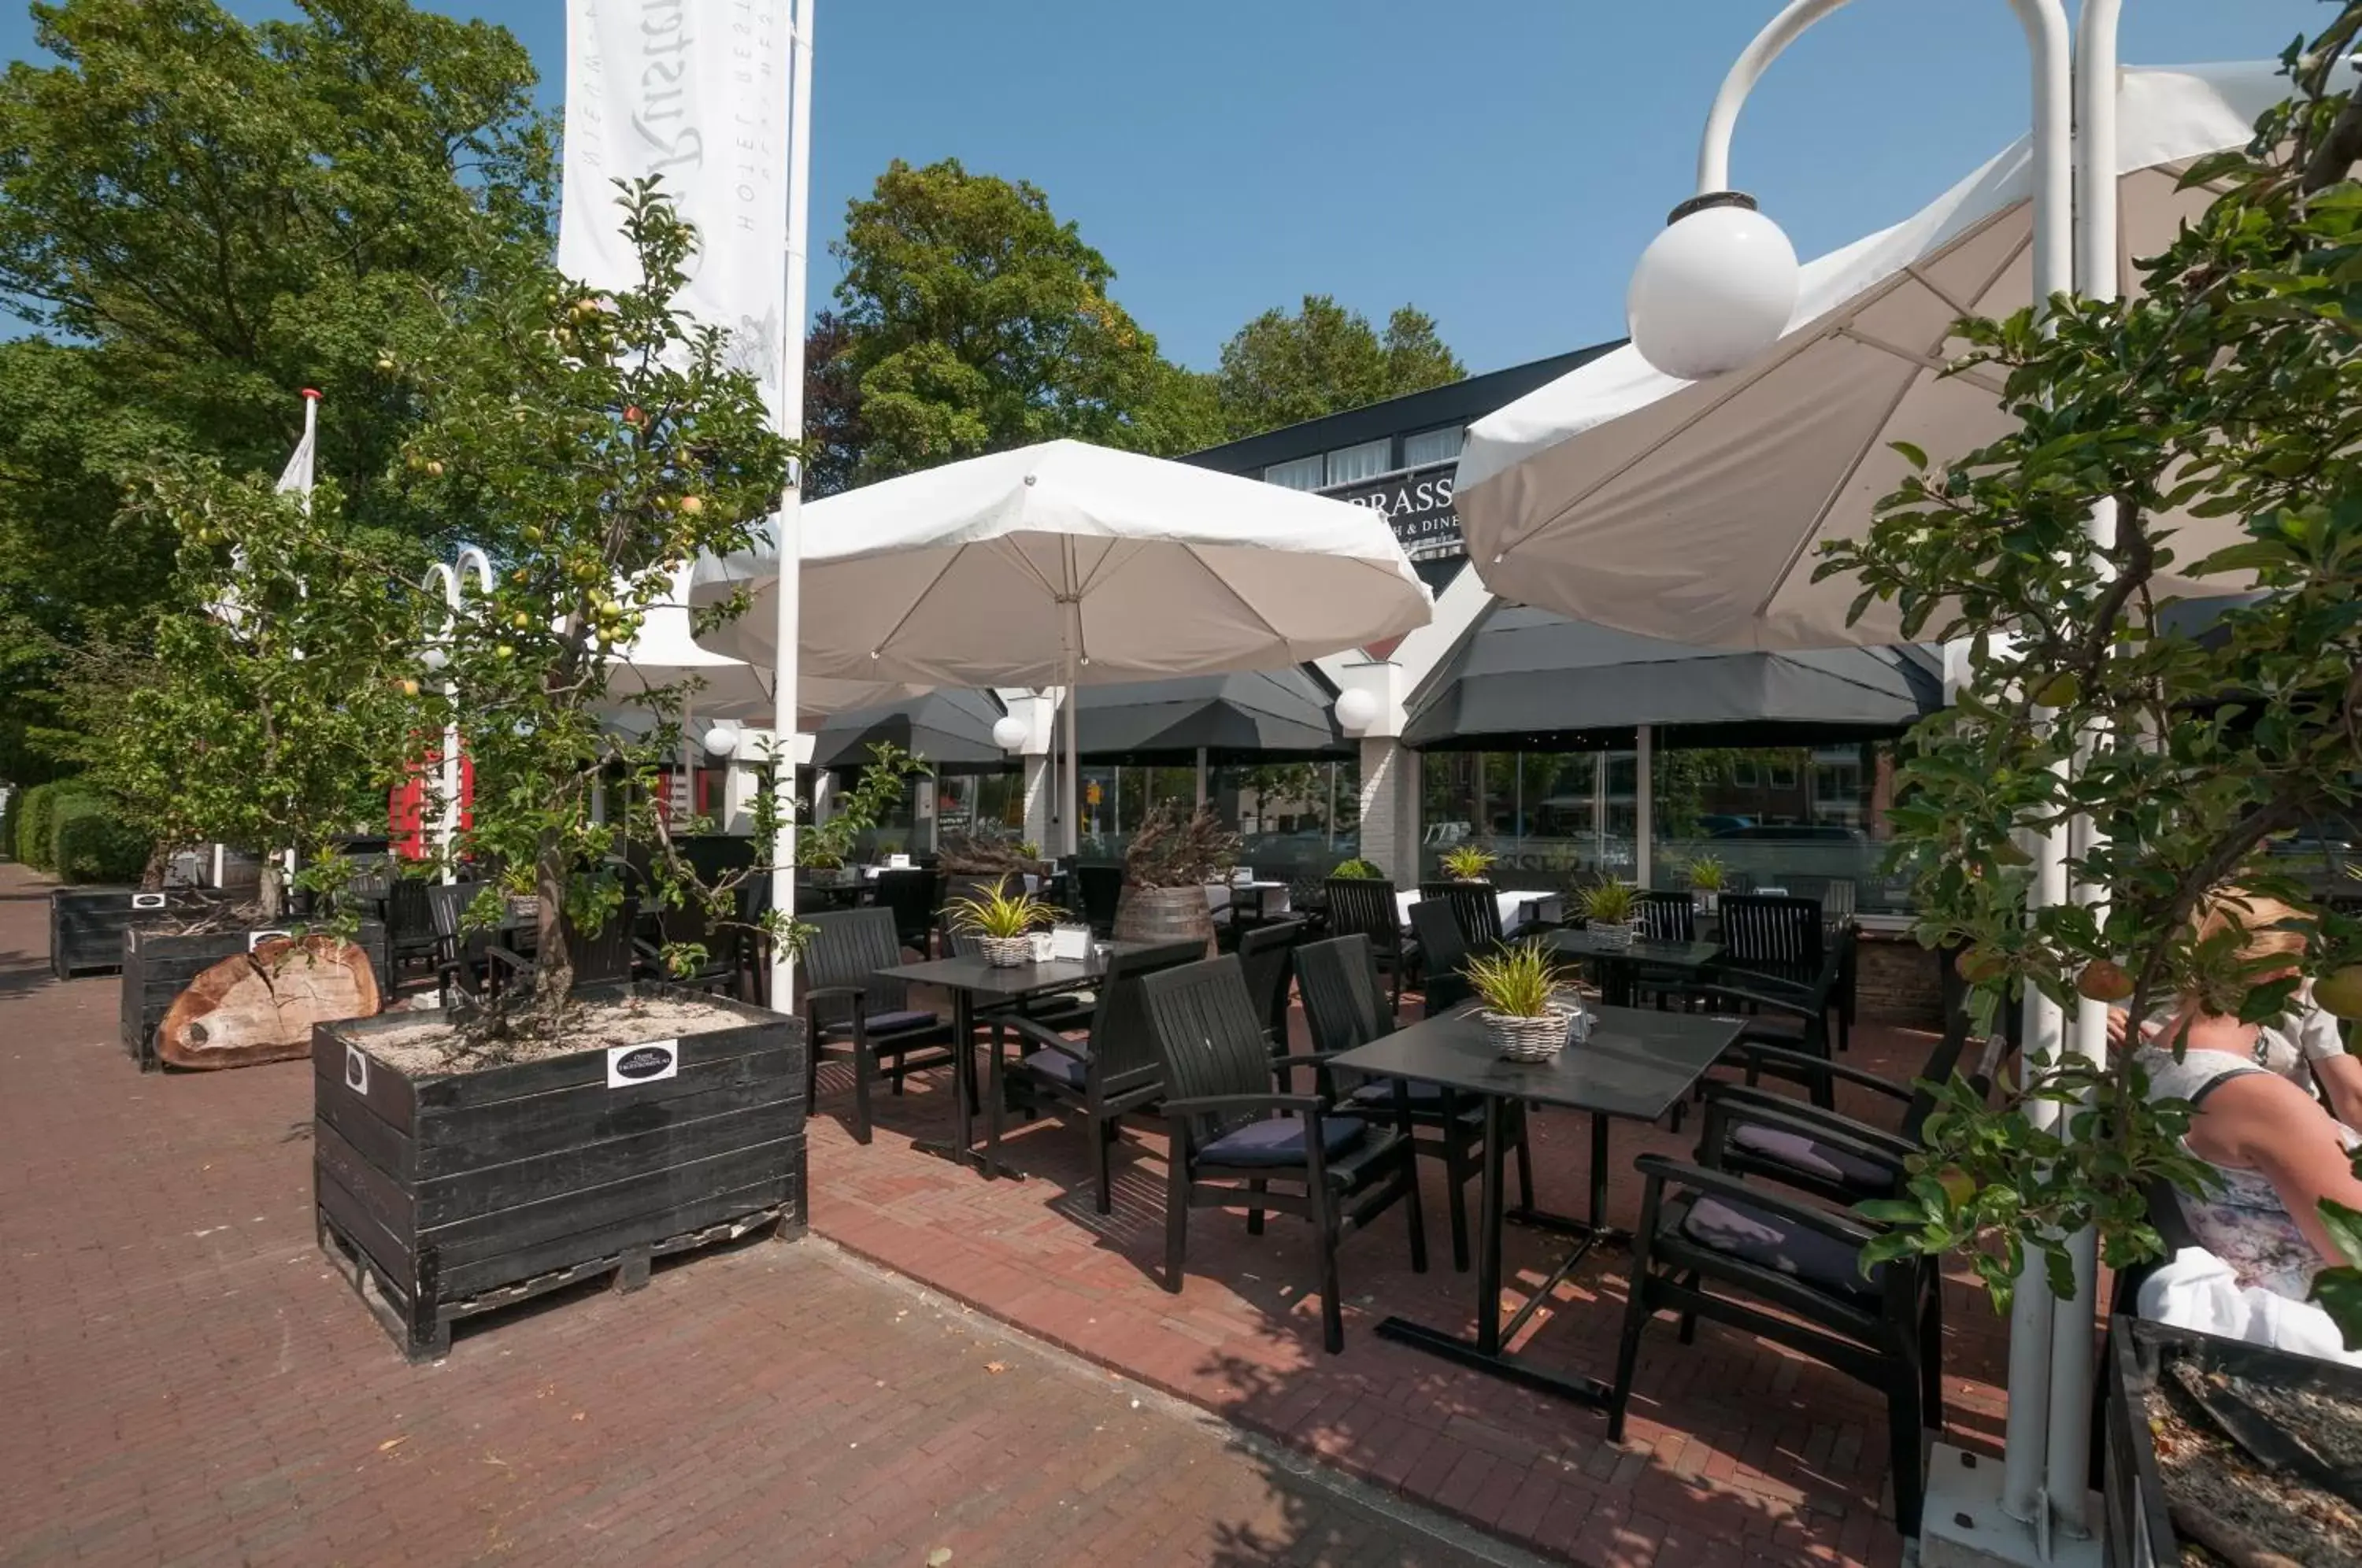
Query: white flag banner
694,92
296,476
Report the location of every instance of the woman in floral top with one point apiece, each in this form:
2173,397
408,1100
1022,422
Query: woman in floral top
2278,1152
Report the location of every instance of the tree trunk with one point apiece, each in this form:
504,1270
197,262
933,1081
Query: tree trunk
270,891
260,1006
553,967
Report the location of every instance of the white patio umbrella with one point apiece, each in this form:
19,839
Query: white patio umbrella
1693,510
1069,564
729,690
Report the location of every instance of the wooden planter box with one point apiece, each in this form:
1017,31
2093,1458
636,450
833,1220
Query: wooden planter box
2139,1528
156,967
86,925
453,1194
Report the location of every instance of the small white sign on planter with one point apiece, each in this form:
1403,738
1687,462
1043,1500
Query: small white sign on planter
643,1064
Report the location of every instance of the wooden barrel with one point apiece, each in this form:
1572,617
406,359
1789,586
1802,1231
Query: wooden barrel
1165,915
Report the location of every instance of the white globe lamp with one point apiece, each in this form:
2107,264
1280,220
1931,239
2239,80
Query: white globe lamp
720,742
1356,710
1010,732
1713,291
434,659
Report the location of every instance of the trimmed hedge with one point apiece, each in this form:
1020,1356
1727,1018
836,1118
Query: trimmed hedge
89,843
8,815
37,822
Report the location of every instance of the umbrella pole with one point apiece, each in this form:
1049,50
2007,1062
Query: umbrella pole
1071,785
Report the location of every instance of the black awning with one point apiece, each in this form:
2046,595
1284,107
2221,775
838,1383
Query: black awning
951,729
1263,715
1526,679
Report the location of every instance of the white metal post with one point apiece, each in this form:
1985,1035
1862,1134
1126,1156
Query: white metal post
785,627
2028,1459
1643,824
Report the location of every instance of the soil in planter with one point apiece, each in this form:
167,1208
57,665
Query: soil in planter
2209,1478
434,1045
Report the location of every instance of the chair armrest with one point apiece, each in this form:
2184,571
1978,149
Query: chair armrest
1729,1104
1302,1104
1763,991
510,957
1044,1036
1309,1059
1804,1062
1661,1169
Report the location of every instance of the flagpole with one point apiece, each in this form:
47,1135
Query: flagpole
785,627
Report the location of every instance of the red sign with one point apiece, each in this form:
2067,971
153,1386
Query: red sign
407,804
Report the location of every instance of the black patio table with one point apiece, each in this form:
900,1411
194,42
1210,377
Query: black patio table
1636,1062
971,976
1620,961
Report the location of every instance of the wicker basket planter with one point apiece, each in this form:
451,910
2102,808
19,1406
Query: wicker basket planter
1620,933
1006,952
1522,1037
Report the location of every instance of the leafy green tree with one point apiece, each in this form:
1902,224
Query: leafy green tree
200,217
593,444
277,702
974,320
2229,389
1281,368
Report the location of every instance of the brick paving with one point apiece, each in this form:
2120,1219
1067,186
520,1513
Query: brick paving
182,1380
1737,1451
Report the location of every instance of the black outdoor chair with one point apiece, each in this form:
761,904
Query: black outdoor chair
1713,1244
1476,905
1111,1072
1098,888
723,969
1365,907
1667,917
1233,1135
470,966
1814,1148
1442,954
1343,1008
1264,953
912,898
410,933
852,1012
1778,935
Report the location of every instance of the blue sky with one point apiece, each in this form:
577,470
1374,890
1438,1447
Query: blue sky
1499,163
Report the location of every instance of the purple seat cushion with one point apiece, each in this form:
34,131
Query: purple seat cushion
900,1021
1809,1154
1767,1240
1059,1067
1279,1140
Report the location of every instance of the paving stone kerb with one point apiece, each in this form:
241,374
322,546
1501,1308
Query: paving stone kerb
185,1381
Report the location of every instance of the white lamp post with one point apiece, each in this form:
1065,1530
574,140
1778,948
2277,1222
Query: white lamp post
785,605
1714,290
452,580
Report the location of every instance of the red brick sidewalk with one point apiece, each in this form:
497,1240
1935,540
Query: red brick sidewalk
1737,1451
183,1381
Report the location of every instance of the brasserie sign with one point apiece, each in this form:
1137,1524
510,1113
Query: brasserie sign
1416,504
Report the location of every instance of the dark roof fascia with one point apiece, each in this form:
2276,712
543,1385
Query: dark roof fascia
1456,403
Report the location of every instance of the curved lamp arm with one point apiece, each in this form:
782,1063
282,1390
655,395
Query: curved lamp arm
2044,22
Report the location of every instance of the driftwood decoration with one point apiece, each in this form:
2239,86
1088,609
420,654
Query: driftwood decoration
260,1006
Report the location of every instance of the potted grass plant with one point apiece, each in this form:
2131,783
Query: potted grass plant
1358,870
1002,922
1707,875
1468,862
1525,1015
1612,909
1172,857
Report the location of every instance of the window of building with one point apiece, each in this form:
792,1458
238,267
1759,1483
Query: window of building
1431,446
1296,473
1371,458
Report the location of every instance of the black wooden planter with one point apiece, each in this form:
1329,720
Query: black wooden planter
453,1194
2140,1531
159,965
86,925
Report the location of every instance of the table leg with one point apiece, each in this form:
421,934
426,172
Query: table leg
1599,1173
964,1069
992,1108
1488,1235
1487,1351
